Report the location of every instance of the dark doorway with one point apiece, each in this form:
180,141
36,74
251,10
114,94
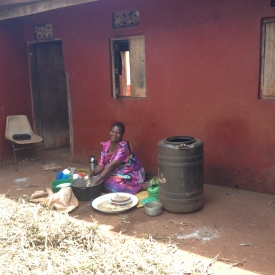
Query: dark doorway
49,93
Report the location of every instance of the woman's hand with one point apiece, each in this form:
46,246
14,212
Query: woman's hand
105,172
96,181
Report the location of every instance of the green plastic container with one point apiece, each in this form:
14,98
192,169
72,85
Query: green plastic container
153,190
57,182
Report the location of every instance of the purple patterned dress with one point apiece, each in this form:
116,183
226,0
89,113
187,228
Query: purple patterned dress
129,175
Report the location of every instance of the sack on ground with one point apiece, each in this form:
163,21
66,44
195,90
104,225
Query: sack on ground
63,201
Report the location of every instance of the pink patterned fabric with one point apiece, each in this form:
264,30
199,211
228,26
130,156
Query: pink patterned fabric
126,177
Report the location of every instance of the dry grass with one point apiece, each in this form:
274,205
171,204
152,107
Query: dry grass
37,240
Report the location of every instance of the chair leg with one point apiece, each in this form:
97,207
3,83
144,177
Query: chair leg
2,153
15,162
14,155
43,151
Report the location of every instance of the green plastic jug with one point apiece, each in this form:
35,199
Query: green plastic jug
153,190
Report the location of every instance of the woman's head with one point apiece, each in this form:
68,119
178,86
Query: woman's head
117,131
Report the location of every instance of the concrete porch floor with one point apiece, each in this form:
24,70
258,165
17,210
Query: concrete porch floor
239,223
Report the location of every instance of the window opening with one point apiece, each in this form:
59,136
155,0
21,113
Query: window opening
123,86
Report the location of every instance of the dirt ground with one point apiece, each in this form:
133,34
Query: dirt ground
235,223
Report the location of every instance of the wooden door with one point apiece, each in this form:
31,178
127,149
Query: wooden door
49,93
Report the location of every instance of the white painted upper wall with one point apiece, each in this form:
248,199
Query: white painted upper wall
18,8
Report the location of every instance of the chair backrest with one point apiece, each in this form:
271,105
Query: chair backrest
17,125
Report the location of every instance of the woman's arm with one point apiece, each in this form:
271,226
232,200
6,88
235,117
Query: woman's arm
106,171
98,169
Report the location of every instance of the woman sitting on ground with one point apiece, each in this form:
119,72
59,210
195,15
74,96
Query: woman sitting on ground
119,168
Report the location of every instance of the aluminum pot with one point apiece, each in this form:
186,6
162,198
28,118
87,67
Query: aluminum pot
153,208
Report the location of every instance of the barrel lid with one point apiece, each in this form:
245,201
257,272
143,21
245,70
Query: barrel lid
180,140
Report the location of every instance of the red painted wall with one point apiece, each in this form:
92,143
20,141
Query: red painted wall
202,69
15,96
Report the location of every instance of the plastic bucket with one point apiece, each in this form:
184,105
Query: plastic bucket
55,183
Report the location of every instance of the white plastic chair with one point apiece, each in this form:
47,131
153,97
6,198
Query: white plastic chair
20,125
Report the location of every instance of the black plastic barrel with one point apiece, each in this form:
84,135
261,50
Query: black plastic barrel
180,172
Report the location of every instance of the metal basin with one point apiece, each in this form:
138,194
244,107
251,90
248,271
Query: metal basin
153,208
84,193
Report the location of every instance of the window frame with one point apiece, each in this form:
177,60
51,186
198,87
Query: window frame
137,66
266,77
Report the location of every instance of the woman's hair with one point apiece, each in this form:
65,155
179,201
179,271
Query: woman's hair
119,125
